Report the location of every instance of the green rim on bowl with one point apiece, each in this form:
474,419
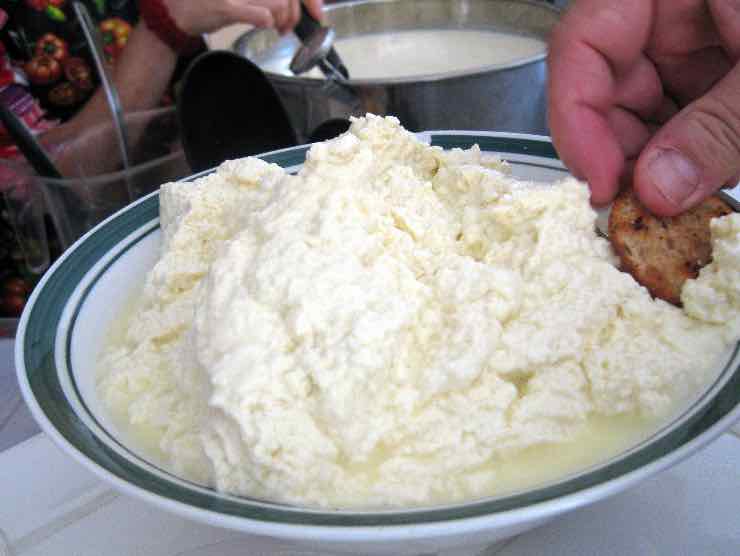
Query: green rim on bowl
43,339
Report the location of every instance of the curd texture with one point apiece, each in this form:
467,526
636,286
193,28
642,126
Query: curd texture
382,328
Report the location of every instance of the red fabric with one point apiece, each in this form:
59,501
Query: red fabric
7,76
157,17
14,94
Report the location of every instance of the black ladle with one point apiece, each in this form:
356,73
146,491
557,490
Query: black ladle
228,109
305,30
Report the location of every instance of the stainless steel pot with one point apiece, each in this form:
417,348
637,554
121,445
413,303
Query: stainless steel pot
506,98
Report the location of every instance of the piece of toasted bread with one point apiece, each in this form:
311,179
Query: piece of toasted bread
662,253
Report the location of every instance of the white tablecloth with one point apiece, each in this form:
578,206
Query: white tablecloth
50,505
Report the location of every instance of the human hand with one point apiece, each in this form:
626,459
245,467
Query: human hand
196,17
648,90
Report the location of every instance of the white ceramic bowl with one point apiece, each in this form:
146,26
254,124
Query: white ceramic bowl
61,335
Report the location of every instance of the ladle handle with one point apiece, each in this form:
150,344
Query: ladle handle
306,27
27,144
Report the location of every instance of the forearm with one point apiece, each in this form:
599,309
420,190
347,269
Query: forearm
141,76
146,65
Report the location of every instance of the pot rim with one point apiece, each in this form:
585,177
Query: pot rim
417,79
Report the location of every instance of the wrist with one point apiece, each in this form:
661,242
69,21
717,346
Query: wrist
157,17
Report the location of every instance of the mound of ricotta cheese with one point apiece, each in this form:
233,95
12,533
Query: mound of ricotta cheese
379,328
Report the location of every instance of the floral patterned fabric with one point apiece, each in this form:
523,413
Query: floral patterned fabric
45,52
46,76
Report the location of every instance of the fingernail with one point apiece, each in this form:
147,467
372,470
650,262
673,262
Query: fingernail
675,176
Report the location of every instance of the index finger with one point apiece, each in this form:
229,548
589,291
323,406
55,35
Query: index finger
595,43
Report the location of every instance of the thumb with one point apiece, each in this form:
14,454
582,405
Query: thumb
695,153
314,8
